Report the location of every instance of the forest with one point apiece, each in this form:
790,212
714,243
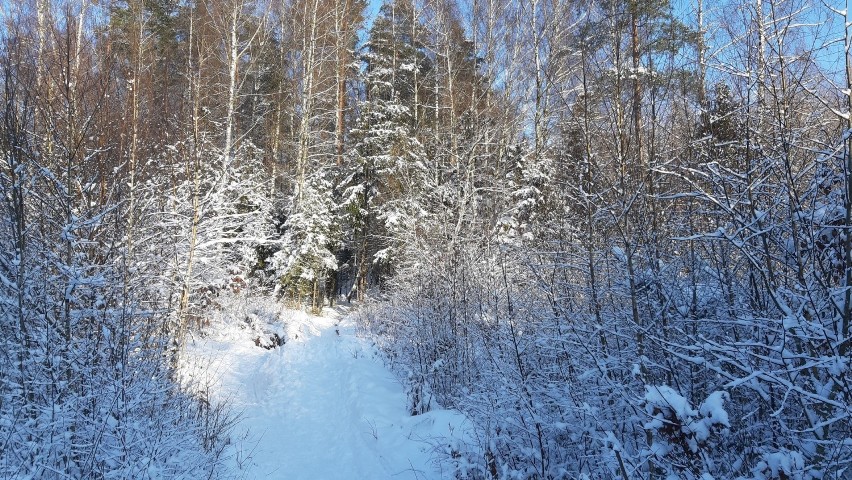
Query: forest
615,234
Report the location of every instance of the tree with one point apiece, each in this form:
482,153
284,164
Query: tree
387,163
86,392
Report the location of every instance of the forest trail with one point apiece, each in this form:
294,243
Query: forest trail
322,406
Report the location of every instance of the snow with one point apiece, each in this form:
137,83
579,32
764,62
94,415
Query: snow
665,406
323,405
789,463
713,412
665,397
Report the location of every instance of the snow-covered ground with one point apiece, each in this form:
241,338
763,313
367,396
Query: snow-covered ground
322,406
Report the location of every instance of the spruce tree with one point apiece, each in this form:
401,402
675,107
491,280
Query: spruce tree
383,198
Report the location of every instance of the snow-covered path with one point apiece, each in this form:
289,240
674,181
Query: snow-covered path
321,407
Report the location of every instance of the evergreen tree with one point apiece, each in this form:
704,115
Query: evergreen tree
382,199
310,238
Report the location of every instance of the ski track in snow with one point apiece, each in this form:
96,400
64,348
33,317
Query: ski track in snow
321,407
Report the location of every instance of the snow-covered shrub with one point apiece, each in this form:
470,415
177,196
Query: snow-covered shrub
259,316
680,433
87,386
782,465
468,328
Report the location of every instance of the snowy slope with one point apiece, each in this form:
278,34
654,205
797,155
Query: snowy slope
320,407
